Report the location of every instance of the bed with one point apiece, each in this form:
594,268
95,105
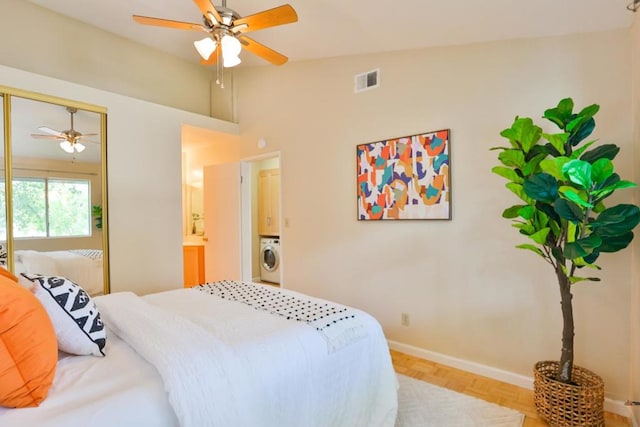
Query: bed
224,354
83,266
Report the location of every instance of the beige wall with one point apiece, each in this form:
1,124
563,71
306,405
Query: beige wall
469,293
635,300
144,180
41,41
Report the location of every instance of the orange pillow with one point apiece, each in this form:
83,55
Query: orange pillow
28,347
7,273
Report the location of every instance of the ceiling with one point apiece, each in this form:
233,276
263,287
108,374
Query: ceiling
329,28
28,115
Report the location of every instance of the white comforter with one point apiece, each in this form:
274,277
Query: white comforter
240,367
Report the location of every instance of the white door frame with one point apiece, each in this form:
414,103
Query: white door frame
246,214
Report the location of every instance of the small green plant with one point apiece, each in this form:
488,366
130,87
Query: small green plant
562,185
96,213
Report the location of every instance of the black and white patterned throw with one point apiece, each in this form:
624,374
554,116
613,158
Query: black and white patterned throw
339,325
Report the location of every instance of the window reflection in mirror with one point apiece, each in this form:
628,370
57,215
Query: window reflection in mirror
56,169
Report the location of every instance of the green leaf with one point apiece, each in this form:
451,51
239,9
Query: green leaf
557,140
531,248
540,237
508,173
519,191
581,262
524,132
582,247
512,158
571,194
593,256
578,172
606,191
527,212
569,210
582,117
531,166
606,151
554,166
541,218
616,220
576,279
601,170
616,243
557,254
526,229
542,187
583,131
561,115
578,152
512,212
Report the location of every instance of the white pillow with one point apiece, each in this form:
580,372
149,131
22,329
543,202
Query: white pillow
74,315
28,261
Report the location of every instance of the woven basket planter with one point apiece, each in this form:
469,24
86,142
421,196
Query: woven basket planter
567,405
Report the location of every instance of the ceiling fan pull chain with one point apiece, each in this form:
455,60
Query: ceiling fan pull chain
218,64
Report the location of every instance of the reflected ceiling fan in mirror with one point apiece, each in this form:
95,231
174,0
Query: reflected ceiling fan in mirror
69,139
227,31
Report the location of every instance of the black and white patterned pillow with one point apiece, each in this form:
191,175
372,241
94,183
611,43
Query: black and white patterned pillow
74,315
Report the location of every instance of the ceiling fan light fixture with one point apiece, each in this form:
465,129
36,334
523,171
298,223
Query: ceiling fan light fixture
79,147
66,146
231,61
205,47
231,48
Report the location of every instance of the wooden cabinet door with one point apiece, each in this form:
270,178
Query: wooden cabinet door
193,265
269,202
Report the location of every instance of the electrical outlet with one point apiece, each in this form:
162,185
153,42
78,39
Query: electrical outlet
404,319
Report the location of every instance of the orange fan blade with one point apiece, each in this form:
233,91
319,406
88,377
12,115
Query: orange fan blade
212,59
208,10
262,51
280,15
167,23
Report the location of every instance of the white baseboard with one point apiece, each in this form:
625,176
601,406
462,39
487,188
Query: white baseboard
610,405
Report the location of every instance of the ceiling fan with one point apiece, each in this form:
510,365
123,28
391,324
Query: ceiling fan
69,139
227,31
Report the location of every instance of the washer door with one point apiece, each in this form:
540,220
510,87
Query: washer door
270,258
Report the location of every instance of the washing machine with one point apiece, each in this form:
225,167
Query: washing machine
270,259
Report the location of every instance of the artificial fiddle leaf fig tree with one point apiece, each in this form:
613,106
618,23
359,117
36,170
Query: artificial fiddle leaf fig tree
562,184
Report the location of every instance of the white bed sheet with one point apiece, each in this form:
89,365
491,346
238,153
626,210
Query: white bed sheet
118,390
288,362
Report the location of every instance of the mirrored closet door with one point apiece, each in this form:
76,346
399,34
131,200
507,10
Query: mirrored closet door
53,215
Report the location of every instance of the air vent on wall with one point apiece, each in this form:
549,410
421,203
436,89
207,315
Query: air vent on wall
368,80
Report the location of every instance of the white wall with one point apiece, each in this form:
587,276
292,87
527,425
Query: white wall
469,293
144,180
44,42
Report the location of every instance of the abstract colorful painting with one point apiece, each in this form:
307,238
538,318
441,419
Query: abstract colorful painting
405,178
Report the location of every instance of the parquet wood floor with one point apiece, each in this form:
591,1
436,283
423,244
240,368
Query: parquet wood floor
488,389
